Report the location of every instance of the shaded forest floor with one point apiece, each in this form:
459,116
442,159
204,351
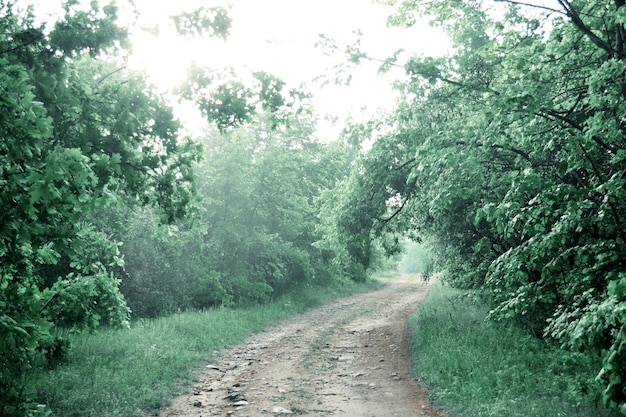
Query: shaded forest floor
346,358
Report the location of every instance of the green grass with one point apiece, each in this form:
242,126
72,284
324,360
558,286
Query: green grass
480,368
134,372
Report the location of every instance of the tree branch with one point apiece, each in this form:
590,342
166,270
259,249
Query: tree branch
536,6
578,126
108,75
517,151
395,213
578,22
22,45
404,165
57,293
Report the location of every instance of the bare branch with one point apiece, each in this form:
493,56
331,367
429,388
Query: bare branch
536,6
109,74
395,213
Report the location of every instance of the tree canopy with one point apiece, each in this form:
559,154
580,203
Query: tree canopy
509,156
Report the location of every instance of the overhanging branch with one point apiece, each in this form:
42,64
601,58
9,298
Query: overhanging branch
395,213
536,6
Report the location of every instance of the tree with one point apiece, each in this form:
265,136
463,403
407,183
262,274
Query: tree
509,155
260,192
253,234
79,132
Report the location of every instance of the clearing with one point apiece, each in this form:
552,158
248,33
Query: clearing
346,358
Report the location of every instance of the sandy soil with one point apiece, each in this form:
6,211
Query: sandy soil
346,358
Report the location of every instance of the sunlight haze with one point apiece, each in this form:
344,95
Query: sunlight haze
279,36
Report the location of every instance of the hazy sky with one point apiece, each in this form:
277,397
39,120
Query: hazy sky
278,36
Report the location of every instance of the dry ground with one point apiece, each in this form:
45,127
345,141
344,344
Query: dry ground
346,358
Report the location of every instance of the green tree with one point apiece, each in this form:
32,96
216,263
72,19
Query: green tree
508,154
79,132
252,236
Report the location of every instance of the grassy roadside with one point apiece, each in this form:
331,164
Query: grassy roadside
478,368
134,372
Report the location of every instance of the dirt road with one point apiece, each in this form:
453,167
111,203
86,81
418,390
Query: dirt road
346,358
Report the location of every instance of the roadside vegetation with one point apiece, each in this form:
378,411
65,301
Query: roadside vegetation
112,212
482,368
508,156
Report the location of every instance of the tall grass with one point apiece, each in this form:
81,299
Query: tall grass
134,372
480,368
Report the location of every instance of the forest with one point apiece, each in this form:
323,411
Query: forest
507,158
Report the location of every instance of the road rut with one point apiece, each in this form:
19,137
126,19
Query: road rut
346,358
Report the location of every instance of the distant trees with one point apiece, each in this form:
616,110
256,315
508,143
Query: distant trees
253,231
510,156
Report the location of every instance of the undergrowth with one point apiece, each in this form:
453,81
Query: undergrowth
480,368
137,371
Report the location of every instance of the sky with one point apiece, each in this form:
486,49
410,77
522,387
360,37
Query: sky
279,36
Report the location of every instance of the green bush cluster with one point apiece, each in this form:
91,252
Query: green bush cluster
252,236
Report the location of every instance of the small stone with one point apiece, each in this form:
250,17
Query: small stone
281,410
234,396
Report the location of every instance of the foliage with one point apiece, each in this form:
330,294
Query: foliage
79,133
228,101
351,223
213,21
251,237
509,156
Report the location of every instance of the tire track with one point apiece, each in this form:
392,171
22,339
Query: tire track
346,358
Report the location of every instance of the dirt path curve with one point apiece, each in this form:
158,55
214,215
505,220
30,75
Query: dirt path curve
346,358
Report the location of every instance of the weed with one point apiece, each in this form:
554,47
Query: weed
297,409
298,390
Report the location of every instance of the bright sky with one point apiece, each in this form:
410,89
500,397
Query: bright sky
278,36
